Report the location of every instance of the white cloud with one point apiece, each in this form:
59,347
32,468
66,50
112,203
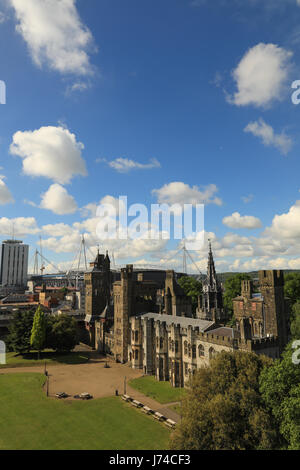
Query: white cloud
124,165
51,152
20,226
286,226
58,200
261,75
180,193
57,230
5,194
264,131
54,34
237,221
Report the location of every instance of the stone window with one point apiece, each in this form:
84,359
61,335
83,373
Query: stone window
211,352
185,348
186,370
161,343
194,351
136,354
136,335
201,350
176,346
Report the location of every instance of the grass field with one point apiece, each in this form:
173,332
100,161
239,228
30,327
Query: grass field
159,391
30,420
50,357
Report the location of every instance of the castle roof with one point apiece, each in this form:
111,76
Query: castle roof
184,322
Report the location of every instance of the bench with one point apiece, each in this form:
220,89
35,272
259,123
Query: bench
138,404
170,423
159,416
147,410
126,398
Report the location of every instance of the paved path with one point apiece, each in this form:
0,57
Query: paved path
154,405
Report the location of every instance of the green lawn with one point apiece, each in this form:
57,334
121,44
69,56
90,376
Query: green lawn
50,357
159,391
30,420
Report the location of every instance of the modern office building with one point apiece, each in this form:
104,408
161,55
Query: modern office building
14,264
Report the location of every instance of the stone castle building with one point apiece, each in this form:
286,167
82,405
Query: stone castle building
166,341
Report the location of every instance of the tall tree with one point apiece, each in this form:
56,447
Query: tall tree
38,332
20,327
192,288
292,287
62,333
223,408
280,389
295,320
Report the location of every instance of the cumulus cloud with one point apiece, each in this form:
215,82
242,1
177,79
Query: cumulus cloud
5,194
125,165
178,192
261,75
51,152
269,138
237,221
21,226
286,226
54,34
58,200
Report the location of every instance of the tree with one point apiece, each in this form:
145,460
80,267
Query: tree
233,288
292,287
20,327
192,288
62,333
38,332
280,389
295,321
223,409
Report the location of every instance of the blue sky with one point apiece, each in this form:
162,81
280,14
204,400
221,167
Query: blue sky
189,98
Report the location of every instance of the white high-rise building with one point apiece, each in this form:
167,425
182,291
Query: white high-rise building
14,264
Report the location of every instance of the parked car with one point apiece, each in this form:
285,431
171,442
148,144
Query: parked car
85,396
61,395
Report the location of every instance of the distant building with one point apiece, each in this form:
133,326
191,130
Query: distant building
14,264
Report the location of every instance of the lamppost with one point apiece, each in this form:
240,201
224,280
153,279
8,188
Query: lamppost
125,385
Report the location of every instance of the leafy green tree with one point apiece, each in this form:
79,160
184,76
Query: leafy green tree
280,389
18,339
62,333
38,332
292,287
192,288
233,288
223,409
295,321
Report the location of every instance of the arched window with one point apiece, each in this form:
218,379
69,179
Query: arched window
201,350
136,354
194,351
211,352
161,343
185,348
136,335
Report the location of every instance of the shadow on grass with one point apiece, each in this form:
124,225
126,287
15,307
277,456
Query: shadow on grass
48,357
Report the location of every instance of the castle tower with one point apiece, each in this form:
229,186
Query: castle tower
275,309
212,300
122,311
97,287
